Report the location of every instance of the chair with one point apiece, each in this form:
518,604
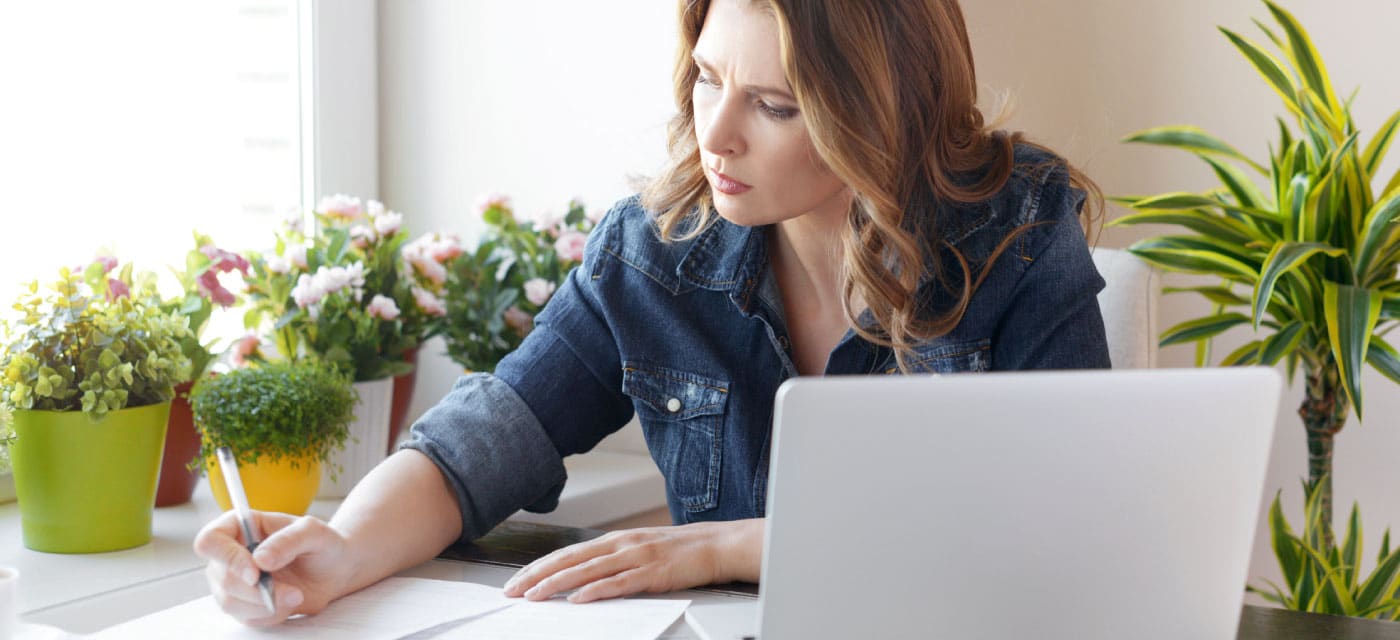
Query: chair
1129,306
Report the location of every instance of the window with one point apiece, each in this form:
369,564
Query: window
126,125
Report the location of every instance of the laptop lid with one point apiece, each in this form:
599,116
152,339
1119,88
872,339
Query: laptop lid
1098,504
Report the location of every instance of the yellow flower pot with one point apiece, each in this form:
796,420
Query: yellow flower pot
286,486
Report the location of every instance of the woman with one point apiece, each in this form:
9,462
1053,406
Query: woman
833,205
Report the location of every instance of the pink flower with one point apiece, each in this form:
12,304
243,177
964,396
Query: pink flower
210,287
297,254
429,303
446,248
341,207
492,201
383,308
108,263
538,291
117,289
224,261
519,321
361,236
220,261
374,208
427,254
388,224
570,245
295,220
548,222
246,347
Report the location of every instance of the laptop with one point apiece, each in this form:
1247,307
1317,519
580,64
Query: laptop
1084,505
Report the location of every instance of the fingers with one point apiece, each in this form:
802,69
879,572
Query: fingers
244,602
569,556
302,536
625,583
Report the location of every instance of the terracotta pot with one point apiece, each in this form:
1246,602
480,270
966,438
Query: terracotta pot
181,446
403,396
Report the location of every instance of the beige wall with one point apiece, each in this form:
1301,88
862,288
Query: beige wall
555,98
1085,73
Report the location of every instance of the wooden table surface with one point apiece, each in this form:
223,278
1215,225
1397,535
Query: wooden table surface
515,544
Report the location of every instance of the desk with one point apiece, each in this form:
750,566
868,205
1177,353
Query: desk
85,593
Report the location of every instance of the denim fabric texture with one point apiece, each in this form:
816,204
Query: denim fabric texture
690,336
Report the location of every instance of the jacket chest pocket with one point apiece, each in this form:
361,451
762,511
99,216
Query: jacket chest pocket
682,416
971,356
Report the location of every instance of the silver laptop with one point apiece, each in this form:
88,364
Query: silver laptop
1084,505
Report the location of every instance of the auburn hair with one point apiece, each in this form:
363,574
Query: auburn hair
888,93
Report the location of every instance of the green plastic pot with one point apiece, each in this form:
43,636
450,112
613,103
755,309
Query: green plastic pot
85,486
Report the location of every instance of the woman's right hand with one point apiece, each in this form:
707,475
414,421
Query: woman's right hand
307,558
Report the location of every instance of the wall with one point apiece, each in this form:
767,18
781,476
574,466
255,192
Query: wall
552,99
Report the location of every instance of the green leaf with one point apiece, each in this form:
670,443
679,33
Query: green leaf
1298,226
1351,546
1202,328
1377,231
1305,56
1375,151
1239,184
1197,255
1192,139
1290,558
1219,295
1282,343
1384,358
1247,354
1382,582
1268,66
1285,257
1352,313
1197,220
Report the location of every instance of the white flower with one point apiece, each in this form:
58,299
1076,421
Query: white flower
538,291
429,303
308,291
548,222
374,208
297,254
295,220
387,224
383,308
278,265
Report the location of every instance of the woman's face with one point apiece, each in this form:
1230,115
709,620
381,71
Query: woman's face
754,145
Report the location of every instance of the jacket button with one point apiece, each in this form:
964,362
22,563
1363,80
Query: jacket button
673,405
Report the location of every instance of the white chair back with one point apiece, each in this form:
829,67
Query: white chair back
1129,305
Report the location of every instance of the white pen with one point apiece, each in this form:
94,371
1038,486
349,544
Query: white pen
245,517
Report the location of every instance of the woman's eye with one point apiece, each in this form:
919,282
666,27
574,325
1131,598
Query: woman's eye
778,113
706,80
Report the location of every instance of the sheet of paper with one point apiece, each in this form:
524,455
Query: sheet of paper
622,619
393,608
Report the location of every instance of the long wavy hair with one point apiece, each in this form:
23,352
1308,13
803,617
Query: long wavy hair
888,94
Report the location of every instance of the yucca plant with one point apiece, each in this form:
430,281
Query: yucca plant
1307,258
1324,578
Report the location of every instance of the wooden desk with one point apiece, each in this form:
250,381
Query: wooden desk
516,544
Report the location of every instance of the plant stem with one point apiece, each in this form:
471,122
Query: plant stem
1324,412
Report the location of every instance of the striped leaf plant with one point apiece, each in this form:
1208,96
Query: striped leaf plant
1304,244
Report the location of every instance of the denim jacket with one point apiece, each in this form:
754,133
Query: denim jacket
690,336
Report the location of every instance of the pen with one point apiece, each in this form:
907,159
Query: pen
245,517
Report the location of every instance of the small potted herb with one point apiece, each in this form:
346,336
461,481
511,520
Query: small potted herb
283,421
87,374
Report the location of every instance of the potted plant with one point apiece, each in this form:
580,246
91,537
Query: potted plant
494,292
200,293
1307,259
350,294
88,373
284,421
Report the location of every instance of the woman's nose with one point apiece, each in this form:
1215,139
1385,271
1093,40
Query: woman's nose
722,127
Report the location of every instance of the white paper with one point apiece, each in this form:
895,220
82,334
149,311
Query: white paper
622,619
392,608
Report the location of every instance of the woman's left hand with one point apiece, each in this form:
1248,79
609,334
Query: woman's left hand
652,560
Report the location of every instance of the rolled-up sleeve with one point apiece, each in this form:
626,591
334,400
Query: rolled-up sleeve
500,438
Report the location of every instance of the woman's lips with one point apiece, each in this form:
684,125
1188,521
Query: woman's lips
727,185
